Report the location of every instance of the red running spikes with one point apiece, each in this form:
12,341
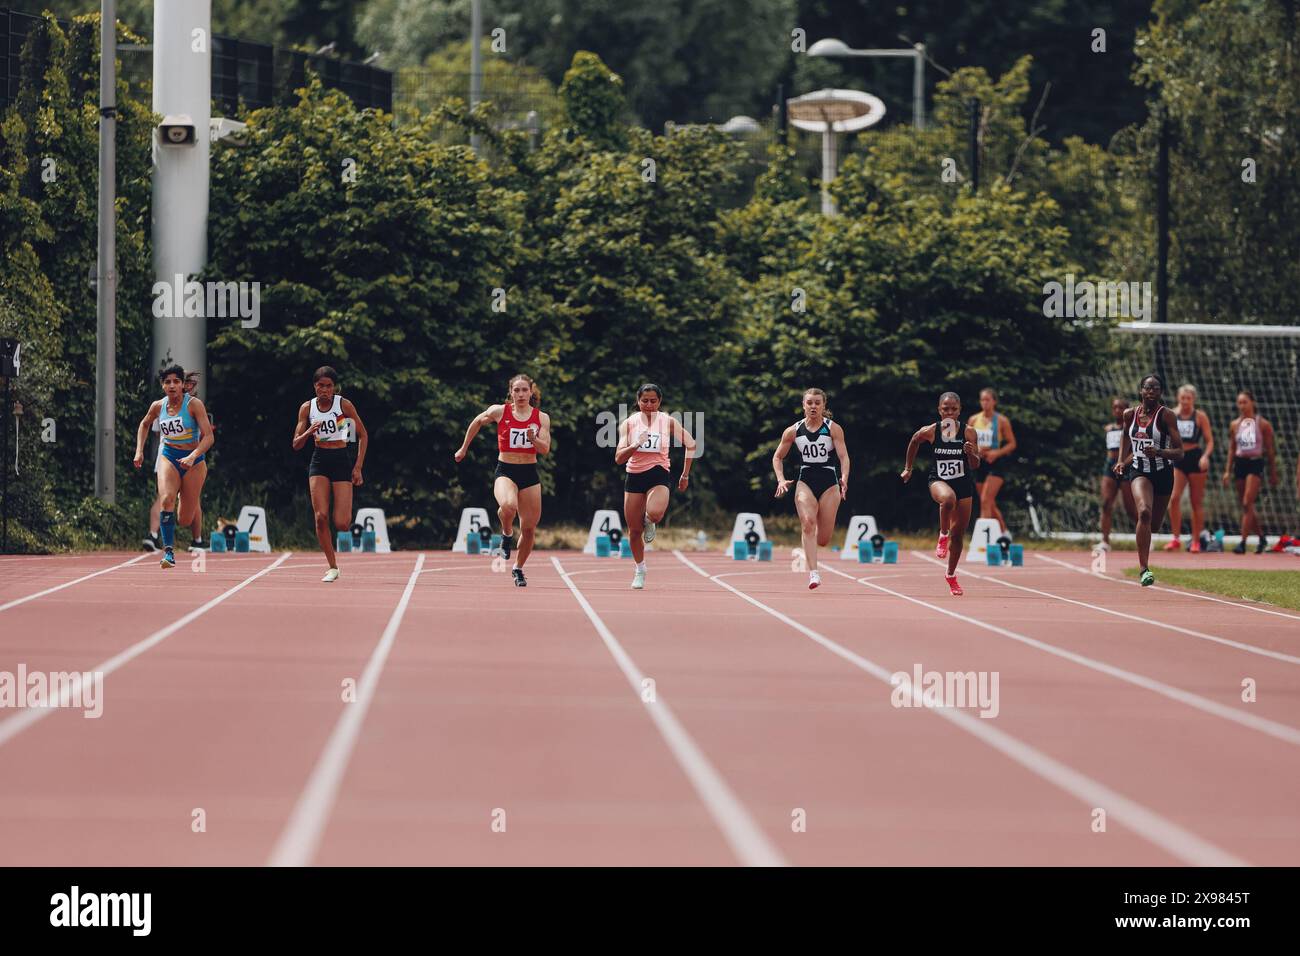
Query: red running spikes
953,586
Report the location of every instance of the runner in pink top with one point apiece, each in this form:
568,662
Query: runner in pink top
643,446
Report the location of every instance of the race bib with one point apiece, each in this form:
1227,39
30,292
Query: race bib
1140,446
328,431
520,438
651,441
171,427
1186,428
1247,435
985,437
948,468
1114,437
817,452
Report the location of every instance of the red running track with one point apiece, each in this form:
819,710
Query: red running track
724,715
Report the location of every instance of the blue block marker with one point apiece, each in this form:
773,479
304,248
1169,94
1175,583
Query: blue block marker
473,543
740,550
368,542
891,552
866,553
1017,555
495,544
217,543
625,548
241,541
602,546
344,542
993,556
765,551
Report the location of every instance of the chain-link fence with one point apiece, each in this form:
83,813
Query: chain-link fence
251,75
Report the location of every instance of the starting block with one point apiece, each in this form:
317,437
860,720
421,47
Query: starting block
344,542
471,520
876,550
740,550
217,543
765,551
1003,552
241,542
602,546
494,544
473,543
624,548
368,542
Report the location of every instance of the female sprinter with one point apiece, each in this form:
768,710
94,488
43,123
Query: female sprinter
820,485
1113,485
1250,438
643,446
324,421
1193,469
185,435
523,433
955,457
1148,449
153,542
996,441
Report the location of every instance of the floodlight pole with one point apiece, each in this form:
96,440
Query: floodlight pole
475,63
106,271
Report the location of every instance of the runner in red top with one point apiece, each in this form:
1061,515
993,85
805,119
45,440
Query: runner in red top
643,446
523,433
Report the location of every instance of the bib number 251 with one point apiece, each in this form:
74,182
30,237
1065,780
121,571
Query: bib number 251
950,468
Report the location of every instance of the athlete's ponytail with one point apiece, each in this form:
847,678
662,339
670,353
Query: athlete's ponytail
535,400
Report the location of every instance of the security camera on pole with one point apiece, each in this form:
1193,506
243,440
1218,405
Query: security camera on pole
182,95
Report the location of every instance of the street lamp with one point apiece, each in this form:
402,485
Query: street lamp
832,47
831,112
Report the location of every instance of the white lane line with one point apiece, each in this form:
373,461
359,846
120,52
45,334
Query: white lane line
742,834
25,718
301,835
1157,587
1146,823
1200,635
1272,728
68,584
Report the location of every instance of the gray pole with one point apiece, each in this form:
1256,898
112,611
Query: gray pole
106,287
182,85
475,61
918,88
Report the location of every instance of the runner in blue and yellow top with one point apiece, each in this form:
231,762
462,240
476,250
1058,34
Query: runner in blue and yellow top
186,434
996,441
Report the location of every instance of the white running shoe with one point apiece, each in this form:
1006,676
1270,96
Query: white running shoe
638,580
648,534
814,580
331,575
